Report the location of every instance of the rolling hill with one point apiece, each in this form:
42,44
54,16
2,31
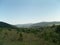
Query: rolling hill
6,25
40,24
46,24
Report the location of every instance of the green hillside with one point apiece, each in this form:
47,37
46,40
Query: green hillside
49,35
6,25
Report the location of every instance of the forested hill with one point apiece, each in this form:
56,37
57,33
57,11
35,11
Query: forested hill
6,25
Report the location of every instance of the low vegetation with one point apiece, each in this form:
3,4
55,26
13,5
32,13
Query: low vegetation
49,35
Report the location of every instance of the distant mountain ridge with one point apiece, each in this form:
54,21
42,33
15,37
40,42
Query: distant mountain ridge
40,24
23,25
46,23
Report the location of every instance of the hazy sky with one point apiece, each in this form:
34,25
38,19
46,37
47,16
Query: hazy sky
29,11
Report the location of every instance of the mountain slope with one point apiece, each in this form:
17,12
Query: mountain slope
6,25
41,24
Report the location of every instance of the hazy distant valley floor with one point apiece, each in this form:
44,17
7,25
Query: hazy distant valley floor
30,36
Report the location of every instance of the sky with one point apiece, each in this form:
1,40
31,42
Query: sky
29,11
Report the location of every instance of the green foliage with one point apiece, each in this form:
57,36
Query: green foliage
58,29
30,36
